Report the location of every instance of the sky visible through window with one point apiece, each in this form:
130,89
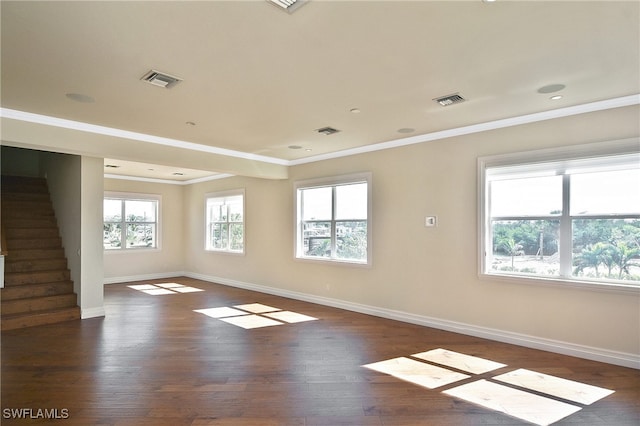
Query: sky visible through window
591,194
351,202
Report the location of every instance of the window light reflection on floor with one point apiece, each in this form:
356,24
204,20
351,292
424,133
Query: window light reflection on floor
254,315
165,288
516,400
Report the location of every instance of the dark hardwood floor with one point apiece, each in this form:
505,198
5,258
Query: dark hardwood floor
153,360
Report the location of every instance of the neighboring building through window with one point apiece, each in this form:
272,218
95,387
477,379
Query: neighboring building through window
333,219
130,221
571,214
225,221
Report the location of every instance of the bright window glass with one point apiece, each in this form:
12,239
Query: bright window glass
333,219
568,218
225,221
130,223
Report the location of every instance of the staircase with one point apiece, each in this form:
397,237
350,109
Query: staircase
37,284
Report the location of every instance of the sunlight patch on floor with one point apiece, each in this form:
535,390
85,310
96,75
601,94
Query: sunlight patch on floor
256,308
551,385
419,373
251,321
515,397
165,288
290,317
220,312
254,315
516,403
468,363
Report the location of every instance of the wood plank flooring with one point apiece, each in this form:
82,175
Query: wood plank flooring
153,360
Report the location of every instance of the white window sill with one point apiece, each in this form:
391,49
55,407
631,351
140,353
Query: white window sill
329,261
607,287
232,253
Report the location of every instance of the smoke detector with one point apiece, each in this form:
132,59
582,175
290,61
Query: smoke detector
327,130
456,98
288,6
160,79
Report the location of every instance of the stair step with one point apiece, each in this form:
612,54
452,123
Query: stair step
34,254
10,195
33,243
36,290
24,184
30,222
34,304
23,208
33,265
30,233
11,322
38,277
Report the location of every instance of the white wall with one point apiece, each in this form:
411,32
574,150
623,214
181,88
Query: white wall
63,172
75,185
428,275
91,223
169,259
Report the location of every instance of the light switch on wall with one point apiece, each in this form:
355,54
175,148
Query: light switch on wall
431,221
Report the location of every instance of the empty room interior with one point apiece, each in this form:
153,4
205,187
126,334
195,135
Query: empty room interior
288,212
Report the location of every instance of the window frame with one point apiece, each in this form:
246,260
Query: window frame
333,182
132,196
541,159
232,193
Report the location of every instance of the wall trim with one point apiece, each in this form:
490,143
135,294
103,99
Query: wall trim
144,277
565,348
92,312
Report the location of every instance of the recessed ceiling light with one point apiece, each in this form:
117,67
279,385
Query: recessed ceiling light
79,97
556,97
190,123
111,166
308,150
178,174
294,147
355,110
550,88
406,130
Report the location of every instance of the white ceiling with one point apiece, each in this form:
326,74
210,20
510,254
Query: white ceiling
257,80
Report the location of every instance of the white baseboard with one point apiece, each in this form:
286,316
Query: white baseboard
92,312
564,348
144,277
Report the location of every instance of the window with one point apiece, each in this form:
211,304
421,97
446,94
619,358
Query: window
333,219
570,215
225,221
130,221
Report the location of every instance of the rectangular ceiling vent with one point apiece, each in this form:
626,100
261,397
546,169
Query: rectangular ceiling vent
288,6
450,99
327,130
160,79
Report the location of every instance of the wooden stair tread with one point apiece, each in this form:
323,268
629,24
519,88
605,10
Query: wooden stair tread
22,278
31,319
38,304
38,288
35,290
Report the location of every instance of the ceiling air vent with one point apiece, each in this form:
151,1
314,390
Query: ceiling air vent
288,6
327,130
450,99
160,79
